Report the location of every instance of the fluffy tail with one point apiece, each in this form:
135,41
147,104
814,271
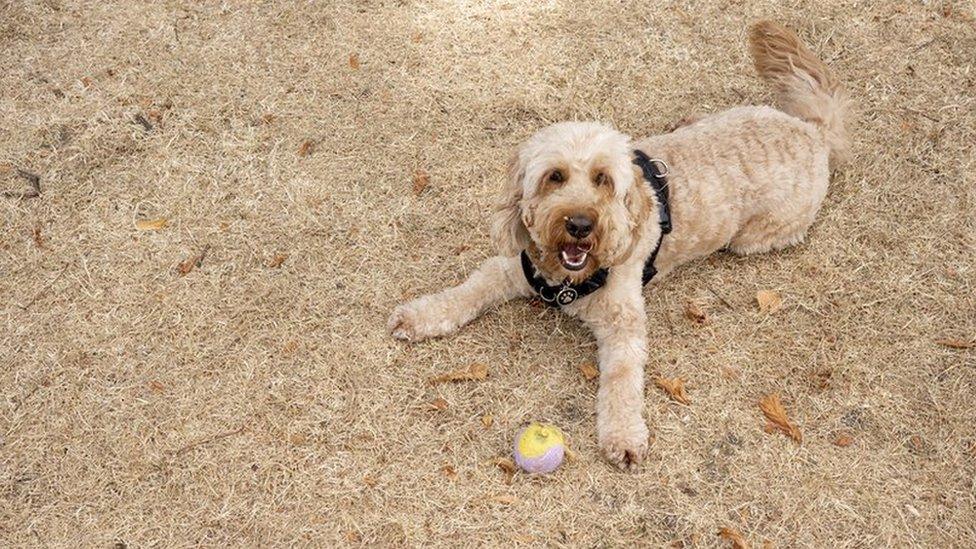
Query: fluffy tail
804,87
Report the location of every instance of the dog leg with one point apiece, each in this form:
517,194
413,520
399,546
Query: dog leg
622,339
497,280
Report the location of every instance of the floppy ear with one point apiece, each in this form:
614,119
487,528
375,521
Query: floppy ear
638,201
507,230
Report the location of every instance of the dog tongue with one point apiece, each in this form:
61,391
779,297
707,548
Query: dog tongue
574,250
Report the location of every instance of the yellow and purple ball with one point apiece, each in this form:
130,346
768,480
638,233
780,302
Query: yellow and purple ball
539,448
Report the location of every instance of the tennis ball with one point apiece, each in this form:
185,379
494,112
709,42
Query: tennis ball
539,448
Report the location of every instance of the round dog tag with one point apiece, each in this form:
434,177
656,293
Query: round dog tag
566,296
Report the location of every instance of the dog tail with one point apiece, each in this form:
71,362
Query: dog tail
804,87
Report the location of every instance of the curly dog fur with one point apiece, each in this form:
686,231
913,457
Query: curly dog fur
750,179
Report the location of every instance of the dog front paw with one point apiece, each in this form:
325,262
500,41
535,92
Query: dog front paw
625,445
418,320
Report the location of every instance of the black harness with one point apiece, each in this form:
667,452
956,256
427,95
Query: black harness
566,293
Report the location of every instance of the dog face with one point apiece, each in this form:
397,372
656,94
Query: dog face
573,199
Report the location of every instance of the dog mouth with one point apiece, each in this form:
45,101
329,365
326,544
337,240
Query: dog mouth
575,255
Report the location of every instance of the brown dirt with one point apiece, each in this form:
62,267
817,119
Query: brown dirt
256,400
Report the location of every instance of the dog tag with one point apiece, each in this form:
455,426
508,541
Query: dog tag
566,296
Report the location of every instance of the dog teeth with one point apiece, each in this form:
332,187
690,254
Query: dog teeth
573,262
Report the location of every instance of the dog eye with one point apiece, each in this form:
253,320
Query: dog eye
601,179
556,176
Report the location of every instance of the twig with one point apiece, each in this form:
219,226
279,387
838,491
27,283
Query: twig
45,288
141,120
720,298
214,438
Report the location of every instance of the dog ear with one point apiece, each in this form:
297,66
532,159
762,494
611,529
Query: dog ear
508,232
638,201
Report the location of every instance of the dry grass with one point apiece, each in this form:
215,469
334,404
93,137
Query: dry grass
256,399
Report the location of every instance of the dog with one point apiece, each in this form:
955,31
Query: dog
587,215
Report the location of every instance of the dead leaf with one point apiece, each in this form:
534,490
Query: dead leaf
370,480
156,386
843,440
192,262
504,499
277,260
354,61
523,538
589,371
774,411
155,115
769,301
289,347
421,180
487,420
305,148
438,404
738,542
353,537
474,372
38,237
956,343
151,224
695,313
449,471
675,388
506,464
297,439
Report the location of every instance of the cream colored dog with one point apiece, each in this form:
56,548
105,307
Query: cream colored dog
750,179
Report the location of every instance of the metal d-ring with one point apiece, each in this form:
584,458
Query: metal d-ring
661,164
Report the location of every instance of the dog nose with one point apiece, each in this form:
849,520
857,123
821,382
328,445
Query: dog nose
579,226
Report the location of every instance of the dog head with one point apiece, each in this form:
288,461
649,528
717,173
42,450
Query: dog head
573,199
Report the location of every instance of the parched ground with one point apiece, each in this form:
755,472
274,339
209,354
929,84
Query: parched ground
254,398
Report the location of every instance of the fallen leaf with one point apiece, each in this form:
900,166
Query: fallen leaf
38,237
353,537
156,386
504,499
917,444
151,224
675,388
289,347
523,538
487,420
354,61
695,313
192,262
297,439
370,480
738,542
769,301
277,260
956,343
438,404
589,371
506,464
843,440
474,372
421,180
305,148
155,115
774,411
449,471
